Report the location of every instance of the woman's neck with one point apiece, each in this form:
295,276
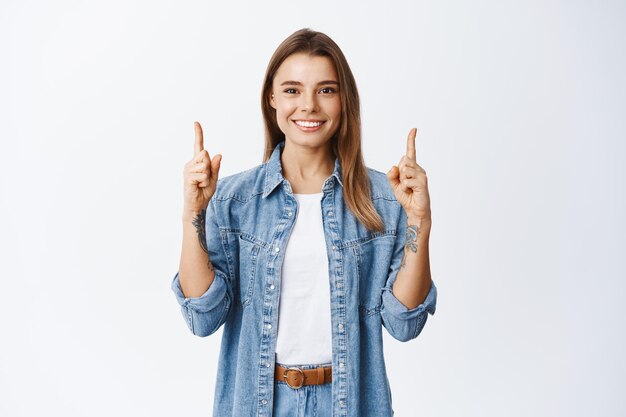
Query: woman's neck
306,168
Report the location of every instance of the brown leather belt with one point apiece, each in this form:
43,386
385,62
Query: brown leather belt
296,377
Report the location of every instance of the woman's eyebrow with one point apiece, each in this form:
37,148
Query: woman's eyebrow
320,83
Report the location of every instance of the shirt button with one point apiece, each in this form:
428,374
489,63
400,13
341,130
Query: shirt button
268,364
269,326
334,247
340,326
330,212
264,402
276,248
342,403
289,213
341,364
272,287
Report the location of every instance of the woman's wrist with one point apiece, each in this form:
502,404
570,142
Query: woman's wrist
420,221
190,215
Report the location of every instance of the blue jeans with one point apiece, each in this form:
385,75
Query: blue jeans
306,401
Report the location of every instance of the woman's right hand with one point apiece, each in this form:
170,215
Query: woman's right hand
200,176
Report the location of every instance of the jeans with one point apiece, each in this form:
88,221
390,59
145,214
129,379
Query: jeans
306,401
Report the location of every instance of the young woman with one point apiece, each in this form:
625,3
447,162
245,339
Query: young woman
305,257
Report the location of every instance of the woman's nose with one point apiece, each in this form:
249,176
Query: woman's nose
309,102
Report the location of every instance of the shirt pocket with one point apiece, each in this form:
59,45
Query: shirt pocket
249,249
373,258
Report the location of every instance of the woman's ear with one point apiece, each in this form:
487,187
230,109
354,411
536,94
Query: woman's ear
272,102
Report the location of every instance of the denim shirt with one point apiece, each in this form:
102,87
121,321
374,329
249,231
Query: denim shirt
248,223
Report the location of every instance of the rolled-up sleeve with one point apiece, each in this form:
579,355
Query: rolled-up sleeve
206,313
402,323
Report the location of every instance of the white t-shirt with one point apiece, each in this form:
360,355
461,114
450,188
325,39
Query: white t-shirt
304,324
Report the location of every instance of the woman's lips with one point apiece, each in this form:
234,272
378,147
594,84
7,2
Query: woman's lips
309,128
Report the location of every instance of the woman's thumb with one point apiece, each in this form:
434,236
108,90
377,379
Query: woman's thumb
216,162
392,175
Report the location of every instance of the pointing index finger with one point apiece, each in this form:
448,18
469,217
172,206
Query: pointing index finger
199,145
410,144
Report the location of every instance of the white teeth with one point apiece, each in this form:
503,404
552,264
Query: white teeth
307,124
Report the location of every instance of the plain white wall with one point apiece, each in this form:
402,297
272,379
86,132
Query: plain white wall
521,118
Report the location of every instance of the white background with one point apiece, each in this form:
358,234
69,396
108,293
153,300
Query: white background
521,117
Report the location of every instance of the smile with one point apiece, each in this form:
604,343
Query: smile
305,123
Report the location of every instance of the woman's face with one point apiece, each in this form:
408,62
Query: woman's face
305,94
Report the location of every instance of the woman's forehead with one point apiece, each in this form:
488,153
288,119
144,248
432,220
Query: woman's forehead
306,69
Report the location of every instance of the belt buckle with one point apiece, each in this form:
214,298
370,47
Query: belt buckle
293,368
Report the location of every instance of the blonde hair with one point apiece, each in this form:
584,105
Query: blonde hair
346,143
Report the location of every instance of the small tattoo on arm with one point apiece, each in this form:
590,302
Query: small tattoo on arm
410,243
199,223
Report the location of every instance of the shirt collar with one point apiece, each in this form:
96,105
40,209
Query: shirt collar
274,171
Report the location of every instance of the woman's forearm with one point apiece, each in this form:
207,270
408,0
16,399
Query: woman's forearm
413,280
195,272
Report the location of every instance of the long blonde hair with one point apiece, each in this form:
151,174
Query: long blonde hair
346,143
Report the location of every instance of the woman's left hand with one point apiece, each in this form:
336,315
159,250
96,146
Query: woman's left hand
410,184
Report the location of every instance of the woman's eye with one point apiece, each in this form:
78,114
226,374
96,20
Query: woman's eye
290,90
328,90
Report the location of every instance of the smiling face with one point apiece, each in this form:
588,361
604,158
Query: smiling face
305,95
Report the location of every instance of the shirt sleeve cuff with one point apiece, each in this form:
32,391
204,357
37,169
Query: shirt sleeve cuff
399,310
211,298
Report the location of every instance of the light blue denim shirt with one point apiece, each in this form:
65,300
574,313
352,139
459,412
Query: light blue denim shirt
248,223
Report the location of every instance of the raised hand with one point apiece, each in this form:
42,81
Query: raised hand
200,175
410,184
